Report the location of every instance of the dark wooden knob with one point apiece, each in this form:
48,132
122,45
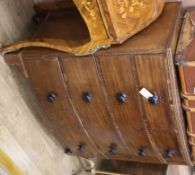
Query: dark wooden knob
154,100
141,152
67,150
51,97
113,149
87,97
81,148
121,97
169,153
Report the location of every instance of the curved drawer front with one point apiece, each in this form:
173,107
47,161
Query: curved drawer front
88,98
168,146
151,75
48,84
122,93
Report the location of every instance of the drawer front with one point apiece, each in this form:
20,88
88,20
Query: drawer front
151,75
47,81
122,92
168,146
88,98
123,99
140,147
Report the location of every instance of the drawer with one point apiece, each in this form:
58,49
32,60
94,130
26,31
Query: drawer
47,81
121,90
87,94
120,86
150,73
167,145
141,148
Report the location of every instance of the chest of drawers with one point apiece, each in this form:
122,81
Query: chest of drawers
94,104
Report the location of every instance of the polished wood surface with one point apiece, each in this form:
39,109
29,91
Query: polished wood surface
99,97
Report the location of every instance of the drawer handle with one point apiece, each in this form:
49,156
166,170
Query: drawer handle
142,152
121,97
169,153
67,150
113,149
87,97
81,148
51,97
154,100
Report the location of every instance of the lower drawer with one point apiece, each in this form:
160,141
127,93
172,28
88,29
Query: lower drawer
168,147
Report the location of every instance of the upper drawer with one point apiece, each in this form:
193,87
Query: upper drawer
48,84
120,83
88,97
150,73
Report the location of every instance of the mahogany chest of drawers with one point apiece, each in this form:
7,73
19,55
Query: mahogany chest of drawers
93,102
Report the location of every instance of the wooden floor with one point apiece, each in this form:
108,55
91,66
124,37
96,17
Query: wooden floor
23,136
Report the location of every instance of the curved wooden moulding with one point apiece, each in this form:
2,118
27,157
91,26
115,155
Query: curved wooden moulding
59,45
108,22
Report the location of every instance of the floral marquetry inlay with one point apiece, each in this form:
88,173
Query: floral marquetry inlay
89,7
108,22
92,16
129,6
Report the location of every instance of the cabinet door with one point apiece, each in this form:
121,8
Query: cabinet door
88,97
48,84
122,93
151,75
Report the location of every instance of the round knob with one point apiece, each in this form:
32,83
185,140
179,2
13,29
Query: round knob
67,150
121,97
81,148
113,149
51,97
141,152
169,153
87,97
154,100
